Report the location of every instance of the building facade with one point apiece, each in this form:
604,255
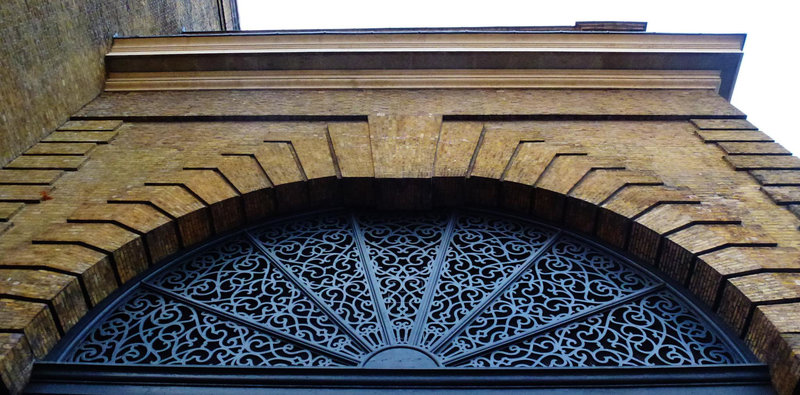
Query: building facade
620,136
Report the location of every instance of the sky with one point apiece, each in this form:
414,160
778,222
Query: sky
766,88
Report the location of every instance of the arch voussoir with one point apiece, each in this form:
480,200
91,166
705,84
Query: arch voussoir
670,228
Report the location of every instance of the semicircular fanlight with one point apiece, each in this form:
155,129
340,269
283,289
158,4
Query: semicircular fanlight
462,289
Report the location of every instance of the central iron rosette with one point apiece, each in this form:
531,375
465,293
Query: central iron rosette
461,289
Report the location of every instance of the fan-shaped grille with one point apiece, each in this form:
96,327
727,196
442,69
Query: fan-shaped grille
466,289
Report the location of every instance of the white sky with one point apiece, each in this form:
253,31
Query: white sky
765,90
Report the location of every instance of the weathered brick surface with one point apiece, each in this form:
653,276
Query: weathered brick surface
565,171
24,193
311,148
175,202
47,162
532,157
456,148
712,269
783,195
98,126
679,249
715,136
601,184
723,124
93,269
769,322
247,178
404,147
740,148
636,200
496,148
60,292
651,186
7,210
647,230
279,161
241,171
764,162
125,247
52,60
32,319
411,101
742,294
668,218
561,176
23,177
80,137
774,338
61,149
777,177
212,190
786,368
16,361
160,234
527,165
768,163
352,145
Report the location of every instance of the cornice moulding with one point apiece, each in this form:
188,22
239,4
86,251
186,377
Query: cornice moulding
492,42
414,79
426,60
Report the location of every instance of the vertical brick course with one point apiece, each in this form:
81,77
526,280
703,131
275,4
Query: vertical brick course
32,319
712,269
773,337
93,269
60,292
16,361
126,248
742,294
174,201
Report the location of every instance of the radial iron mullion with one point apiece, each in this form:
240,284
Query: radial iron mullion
374,288
433,280
362,343
248,322
555,324
519,271
526,299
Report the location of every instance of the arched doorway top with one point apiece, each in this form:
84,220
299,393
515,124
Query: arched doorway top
452,289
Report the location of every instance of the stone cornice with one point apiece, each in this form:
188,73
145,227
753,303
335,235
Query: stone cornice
368,60
428,42
414,79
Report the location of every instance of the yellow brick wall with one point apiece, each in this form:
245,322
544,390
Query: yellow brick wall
675,179
52,61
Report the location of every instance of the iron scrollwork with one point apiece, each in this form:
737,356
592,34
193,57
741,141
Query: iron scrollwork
467,289
151,329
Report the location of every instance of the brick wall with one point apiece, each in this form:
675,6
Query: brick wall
673,178
52,61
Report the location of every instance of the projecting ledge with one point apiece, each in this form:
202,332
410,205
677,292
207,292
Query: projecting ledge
415,79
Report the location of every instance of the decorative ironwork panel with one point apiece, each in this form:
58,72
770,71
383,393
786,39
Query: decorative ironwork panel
150,329
321,251
569,278
654,331
483,252
237,278
402,249
383,289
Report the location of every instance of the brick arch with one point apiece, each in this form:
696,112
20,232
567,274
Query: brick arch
668,227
